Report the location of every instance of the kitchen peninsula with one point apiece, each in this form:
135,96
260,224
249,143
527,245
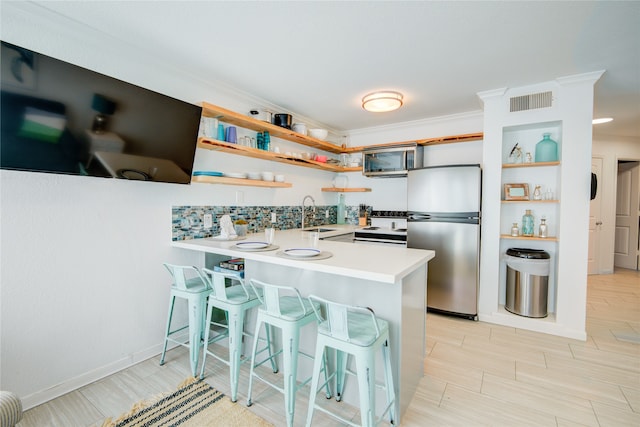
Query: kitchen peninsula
390,280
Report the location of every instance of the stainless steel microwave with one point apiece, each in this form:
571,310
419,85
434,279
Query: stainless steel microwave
391,161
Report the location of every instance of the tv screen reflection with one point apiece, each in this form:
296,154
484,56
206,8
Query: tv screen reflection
57,117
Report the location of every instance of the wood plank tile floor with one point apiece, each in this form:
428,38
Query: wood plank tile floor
476,374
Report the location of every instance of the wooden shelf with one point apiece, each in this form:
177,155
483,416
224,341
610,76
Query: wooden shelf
346,190
529,201
528,165
427,141
239,181
542,239
215,145
233,118
236,119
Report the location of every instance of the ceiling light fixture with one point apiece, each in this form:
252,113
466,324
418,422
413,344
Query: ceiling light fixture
383,101
602,120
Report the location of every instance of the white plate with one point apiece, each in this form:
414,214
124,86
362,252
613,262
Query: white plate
236,175
252,245
302,252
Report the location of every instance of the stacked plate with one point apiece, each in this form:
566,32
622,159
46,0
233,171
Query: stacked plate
239,175
207,173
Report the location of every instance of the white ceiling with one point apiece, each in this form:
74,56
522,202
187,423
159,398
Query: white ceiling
319,58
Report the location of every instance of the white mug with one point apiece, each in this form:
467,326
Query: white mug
300,128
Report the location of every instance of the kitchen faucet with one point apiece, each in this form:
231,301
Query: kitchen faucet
314,207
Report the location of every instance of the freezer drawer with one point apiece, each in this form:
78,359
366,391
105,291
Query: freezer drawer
452,282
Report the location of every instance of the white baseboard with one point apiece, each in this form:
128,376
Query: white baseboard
75,383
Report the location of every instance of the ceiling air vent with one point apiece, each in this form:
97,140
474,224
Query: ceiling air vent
531,102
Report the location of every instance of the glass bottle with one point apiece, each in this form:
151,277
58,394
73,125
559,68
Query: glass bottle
546,149
537,193
542,231
341,210
515,231
527,223
267,141
527,158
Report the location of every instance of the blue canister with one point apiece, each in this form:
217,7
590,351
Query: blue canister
547,149
231,135
220,133
267,141
260,141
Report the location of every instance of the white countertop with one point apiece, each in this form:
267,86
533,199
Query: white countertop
386,264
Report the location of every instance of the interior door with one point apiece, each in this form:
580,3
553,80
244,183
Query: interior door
626,235
595,220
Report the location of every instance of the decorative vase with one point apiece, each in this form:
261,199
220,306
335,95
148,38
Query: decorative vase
341,210
542,231
547,149
527,223
537,193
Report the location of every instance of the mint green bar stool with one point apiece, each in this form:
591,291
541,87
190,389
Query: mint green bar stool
235,300
189,284
353,331
283,307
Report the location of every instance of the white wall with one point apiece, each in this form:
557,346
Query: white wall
82,288
611,149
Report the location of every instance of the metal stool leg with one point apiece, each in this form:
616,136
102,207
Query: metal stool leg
166,335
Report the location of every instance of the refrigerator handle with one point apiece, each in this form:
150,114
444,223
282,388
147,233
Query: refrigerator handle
418,217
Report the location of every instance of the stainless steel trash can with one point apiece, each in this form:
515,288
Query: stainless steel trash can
527,282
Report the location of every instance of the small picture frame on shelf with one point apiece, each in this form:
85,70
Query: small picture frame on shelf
516,191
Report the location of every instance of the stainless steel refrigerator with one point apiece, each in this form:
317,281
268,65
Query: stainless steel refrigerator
444,215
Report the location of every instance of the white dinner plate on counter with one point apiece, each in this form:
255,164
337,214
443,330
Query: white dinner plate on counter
252,245
302,252
255,246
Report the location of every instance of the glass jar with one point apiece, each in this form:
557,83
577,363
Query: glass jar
537,193
542,231
527,223
515,231
546,149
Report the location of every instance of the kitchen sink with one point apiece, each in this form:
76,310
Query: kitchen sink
319,229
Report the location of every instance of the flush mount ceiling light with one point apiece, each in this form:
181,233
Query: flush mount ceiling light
602,120
383,101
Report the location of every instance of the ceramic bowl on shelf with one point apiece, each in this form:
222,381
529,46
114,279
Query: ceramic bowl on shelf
254,175
267,176
318,133
279,178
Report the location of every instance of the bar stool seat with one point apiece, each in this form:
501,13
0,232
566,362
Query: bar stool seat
283,307
189,284
353,332
234,300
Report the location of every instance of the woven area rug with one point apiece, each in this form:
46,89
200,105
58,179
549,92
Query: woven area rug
194,404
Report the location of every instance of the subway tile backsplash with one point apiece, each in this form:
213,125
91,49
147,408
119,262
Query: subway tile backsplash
188,221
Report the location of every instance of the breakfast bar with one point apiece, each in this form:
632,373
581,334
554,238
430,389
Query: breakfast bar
389,280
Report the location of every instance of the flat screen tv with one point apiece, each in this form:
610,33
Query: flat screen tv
57,117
